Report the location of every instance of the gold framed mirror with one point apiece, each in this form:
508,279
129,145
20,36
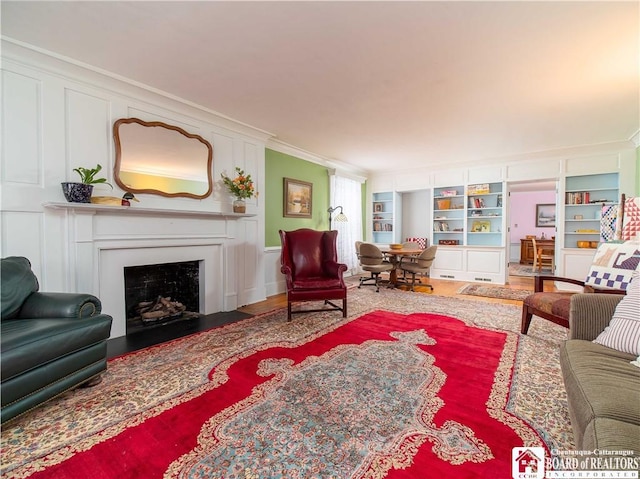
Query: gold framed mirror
157,158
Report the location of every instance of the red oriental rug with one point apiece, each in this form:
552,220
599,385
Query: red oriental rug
384,395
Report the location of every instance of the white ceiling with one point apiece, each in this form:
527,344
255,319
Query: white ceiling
377,85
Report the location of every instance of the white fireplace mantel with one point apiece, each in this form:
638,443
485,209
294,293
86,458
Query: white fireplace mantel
135,210
105,239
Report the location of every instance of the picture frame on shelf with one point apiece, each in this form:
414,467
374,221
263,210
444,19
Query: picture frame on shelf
377,207
545,215
481,227
298,198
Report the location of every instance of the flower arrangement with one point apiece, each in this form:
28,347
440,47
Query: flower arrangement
241,186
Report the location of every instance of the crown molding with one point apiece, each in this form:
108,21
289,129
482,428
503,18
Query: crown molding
343,169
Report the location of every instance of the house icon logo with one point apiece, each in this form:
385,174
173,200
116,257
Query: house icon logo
527,463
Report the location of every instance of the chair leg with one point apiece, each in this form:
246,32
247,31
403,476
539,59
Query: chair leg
344,308
413,280
94,381
376,281
526,319
289,311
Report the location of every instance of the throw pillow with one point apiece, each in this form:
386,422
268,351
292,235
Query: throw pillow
623,332
613,265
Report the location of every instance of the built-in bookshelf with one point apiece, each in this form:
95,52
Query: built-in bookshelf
385,220
484,214
472,217
584,199
448,215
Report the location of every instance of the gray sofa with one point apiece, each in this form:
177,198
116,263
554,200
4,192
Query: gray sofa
603,388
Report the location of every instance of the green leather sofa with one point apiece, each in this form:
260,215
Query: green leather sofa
49,342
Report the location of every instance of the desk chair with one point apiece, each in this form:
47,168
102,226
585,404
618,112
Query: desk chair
419,264
372,260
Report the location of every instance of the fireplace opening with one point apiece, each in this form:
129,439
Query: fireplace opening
158,294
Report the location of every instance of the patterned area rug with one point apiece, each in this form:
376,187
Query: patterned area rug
494,292
128,425
517,269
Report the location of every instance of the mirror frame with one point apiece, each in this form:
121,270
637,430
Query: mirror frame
118,163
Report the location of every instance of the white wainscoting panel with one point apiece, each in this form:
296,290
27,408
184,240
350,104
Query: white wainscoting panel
21,132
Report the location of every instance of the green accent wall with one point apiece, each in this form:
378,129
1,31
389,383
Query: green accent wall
279,166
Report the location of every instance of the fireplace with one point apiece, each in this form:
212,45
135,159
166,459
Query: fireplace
115,257
159,293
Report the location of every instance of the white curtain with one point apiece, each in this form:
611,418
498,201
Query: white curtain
347,192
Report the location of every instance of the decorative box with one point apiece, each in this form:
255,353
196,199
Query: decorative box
450,242
478,189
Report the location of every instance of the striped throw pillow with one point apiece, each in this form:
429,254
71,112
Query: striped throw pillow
623,332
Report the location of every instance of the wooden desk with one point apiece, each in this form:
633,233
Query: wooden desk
526,248
394,256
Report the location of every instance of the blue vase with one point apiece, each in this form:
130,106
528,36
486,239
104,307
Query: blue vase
77,192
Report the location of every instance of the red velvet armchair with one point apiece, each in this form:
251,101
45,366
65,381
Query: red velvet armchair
309,261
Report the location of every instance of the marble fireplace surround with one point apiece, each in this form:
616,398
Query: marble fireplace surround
103,240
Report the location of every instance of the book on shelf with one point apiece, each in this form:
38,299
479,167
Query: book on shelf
578,198
476,202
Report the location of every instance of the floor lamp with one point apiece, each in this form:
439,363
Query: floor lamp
339,217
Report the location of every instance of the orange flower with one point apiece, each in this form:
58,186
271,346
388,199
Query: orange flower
241,186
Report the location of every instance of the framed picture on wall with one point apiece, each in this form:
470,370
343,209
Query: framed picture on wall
545,216
297,198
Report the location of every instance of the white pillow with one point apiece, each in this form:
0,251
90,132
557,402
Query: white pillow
623,332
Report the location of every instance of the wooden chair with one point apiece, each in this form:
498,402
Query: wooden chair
309,261
553,306
543,256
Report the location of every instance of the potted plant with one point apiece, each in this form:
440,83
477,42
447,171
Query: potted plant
80,192
241,187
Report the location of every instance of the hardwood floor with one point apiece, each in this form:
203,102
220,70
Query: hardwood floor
163,333
441,287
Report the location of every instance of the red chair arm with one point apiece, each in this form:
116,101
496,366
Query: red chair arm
288,275
334,269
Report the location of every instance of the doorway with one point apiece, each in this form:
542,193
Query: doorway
525,200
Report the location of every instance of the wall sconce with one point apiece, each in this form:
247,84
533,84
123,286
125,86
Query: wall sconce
340,217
